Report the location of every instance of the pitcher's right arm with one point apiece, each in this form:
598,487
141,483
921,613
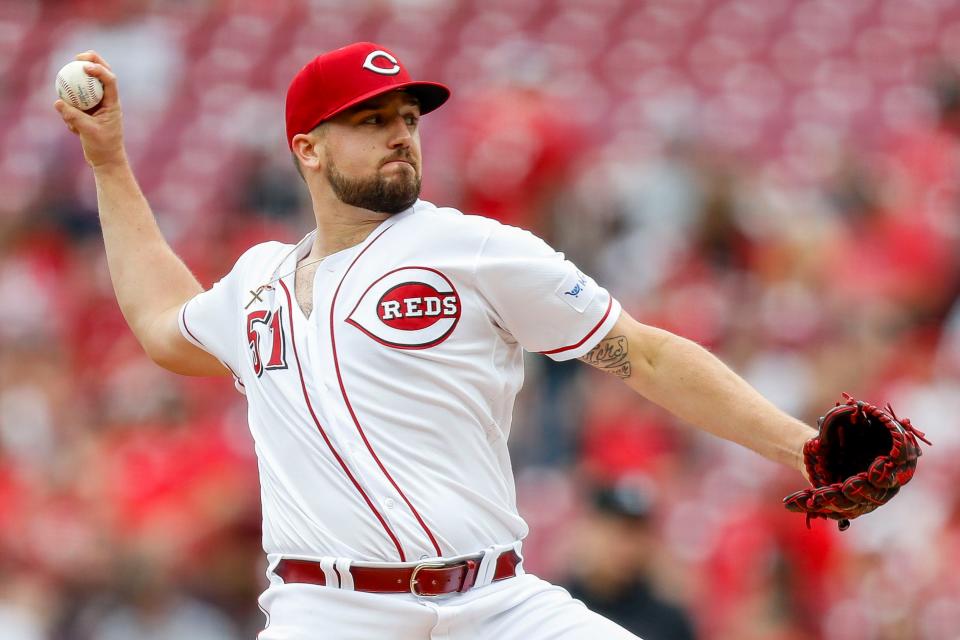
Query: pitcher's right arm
151,283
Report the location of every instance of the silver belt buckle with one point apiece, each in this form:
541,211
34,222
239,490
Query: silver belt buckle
413,577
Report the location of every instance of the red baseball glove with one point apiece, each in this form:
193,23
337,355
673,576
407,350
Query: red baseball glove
860,459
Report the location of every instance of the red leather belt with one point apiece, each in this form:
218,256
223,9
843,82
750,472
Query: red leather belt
431,578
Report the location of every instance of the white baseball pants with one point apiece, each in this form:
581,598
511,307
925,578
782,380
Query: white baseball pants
521,608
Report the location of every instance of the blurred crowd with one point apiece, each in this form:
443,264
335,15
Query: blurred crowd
775,179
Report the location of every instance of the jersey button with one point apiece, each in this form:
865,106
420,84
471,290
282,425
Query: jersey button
389,503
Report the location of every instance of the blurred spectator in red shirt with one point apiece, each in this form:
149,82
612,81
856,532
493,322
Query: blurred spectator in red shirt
516,148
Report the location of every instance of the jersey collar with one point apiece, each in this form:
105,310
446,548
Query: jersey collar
302,248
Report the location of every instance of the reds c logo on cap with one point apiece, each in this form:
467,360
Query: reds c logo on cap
373,55
408,308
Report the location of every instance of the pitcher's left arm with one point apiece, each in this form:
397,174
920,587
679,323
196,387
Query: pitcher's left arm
693,384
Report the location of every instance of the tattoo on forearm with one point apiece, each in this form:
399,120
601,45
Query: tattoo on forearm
610,356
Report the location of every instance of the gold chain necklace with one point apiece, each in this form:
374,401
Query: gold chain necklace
255,293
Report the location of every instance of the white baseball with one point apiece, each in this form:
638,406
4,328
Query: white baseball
77,88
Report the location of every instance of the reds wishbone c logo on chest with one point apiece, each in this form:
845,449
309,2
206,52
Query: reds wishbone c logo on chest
408,308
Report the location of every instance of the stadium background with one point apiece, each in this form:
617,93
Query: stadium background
777,179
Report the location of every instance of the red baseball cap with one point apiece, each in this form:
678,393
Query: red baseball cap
339,79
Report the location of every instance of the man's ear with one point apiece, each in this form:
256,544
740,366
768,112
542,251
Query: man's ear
306,147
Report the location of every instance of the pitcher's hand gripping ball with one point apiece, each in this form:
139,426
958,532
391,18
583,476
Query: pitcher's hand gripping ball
78,89
860,459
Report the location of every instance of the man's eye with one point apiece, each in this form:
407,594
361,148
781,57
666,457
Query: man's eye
371,120
412,120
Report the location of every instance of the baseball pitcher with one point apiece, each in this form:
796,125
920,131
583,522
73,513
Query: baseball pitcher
380,357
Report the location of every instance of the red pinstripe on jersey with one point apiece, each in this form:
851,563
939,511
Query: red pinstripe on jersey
346,399
183,316
586,337
346,470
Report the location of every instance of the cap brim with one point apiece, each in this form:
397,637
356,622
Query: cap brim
430,95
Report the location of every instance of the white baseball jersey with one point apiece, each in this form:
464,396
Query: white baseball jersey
381,420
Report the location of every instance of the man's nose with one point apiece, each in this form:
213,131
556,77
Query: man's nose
400,136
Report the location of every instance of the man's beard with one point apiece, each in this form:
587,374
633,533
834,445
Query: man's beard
375,193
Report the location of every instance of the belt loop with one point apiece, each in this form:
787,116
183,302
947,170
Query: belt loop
518,549
342,567
272,562
488,565
326,565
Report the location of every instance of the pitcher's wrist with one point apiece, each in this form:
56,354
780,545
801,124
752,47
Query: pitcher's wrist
111,164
